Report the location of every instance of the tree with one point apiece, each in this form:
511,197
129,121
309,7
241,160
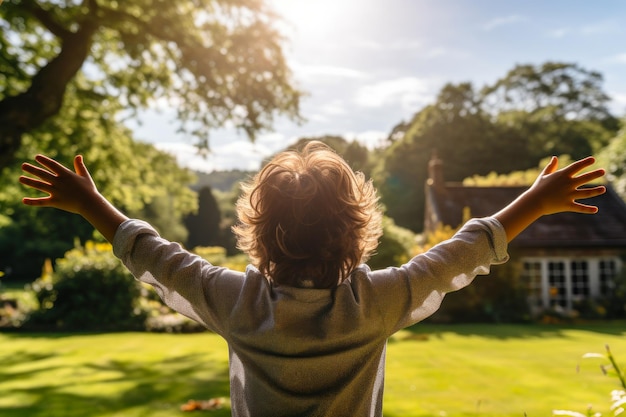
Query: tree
461,133
217,62
531,113
204,227
613,159
560,108
135,176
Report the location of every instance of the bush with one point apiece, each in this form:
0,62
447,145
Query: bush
217,255
397,246
90,290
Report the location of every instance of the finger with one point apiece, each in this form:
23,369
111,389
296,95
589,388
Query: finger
80,167
590,176
590,192
36,184
45,175
40,201
584,208
551,167
579,165
51,164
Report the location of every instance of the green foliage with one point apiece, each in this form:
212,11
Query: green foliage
396,246
515,178
613,159
225,188
531,113
464,137
221,181
216,62
139,179
217,255
12,311
559,108
90,290
204,226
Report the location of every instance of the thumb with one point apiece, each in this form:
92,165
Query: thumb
79,166
552,166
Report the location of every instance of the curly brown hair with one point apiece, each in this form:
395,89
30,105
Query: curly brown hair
308,219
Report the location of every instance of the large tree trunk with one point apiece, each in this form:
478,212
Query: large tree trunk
26,111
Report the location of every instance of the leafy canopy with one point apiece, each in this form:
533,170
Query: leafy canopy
217,62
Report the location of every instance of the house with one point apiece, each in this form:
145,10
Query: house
566,258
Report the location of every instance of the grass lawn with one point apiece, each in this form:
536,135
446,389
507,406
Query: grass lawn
464,370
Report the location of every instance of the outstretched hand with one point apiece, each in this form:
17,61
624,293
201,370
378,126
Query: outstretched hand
67,190
73,191
558,190
554,191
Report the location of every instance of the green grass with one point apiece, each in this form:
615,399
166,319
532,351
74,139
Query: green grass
469,370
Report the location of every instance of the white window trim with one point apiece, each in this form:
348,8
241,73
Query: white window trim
593,265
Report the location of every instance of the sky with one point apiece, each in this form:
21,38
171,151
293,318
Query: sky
367,65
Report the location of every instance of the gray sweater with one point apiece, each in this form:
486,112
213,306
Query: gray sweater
308,352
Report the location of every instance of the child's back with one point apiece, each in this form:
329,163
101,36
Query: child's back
307,351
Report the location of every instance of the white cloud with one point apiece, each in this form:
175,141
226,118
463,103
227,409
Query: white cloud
333,108
438,52
317,117
503,21
404,44
187,156
368,44
310,72
601,28
618,103
559,32
237,154
621,58
396,45
409,92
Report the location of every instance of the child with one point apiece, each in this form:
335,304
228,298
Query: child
307,325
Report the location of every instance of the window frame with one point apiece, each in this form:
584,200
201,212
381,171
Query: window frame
592,279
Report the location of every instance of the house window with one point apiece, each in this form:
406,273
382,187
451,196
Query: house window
561,282
532,277
608,271
557,278
580,280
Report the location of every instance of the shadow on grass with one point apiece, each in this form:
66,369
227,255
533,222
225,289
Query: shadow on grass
517,331
144,389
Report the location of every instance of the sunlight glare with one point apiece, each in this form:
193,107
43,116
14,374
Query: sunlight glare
313,19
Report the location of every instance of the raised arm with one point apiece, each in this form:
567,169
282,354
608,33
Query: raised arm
72,191
554,191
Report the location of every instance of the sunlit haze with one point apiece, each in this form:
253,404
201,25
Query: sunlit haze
367,65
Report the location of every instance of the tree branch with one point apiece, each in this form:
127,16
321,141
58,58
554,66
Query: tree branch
45,17
44,97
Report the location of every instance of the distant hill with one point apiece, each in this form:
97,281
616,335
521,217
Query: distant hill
221,180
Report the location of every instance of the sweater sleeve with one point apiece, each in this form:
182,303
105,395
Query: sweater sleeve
185,282
415,290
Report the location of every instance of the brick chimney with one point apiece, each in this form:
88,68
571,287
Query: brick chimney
435,172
